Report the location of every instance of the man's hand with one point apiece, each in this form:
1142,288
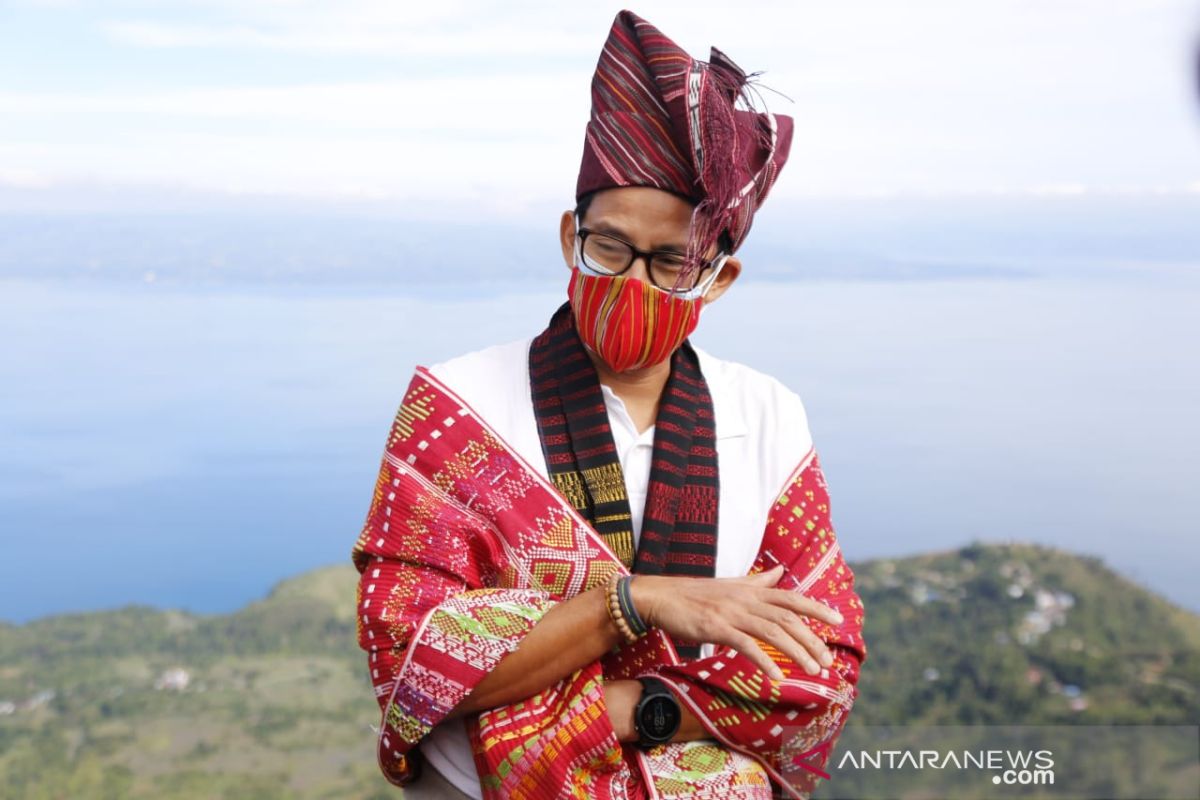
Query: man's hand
736,611
728,611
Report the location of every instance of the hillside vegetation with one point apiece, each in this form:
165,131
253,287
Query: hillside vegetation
274,701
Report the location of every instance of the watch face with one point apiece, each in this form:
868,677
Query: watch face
659,718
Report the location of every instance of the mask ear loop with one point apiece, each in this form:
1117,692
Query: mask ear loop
578,257
701,289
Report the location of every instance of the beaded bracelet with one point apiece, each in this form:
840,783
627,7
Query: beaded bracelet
617,613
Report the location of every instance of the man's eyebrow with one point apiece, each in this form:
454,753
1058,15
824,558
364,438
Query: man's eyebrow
605,227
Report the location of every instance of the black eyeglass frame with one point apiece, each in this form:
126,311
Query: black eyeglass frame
582,233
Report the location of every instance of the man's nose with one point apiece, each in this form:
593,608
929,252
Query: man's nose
640,268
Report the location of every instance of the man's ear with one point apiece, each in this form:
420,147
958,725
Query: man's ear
728,274
566,233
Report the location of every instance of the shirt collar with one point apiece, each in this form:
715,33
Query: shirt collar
728,410
623,421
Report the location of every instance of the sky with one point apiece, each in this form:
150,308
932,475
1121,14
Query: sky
935,139
443,109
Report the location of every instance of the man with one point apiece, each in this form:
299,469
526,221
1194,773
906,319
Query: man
599,562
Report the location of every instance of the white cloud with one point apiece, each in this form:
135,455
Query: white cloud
24,178
1059,189
929,97
498,40
485,105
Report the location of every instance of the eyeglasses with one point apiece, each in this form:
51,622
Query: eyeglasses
605,254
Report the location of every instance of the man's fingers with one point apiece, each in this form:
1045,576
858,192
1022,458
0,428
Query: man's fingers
768,577
798,629
805,606
746,645
758,614
801,632
782,639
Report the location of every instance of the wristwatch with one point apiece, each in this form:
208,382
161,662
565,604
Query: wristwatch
657,715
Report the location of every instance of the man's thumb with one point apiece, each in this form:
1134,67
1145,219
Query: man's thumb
769,577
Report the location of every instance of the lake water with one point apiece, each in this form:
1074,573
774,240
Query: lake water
190,447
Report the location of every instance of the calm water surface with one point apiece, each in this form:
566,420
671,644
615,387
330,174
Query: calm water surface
188,448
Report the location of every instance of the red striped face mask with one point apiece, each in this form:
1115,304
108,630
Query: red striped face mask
627,322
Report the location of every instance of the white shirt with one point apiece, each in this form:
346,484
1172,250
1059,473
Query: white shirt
635,452
762,436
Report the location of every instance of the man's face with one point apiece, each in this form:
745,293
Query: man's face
647,218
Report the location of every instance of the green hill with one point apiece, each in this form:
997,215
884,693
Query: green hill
1022,635
277,702
274,700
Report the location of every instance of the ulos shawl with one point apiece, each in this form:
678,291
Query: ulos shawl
466,547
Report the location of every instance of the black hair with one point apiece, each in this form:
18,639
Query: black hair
724,242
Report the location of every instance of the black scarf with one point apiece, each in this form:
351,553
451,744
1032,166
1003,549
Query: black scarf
679,527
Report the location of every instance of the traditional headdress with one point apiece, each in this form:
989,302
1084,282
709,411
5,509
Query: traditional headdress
661,118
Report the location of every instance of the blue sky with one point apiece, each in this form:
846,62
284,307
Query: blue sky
438,109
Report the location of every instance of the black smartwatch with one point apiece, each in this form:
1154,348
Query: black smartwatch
657,715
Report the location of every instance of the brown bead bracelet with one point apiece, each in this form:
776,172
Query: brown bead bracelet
615,612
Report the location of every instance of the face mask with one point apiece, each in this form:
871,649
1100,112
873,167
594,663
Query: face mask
628,323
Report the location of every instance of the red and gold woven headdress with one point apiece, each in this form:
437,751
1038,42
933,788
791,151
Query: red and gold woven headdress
661,118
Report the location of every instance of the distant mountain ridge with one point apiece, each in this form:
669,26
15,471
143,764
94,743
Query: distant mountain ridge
274,701
828,238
